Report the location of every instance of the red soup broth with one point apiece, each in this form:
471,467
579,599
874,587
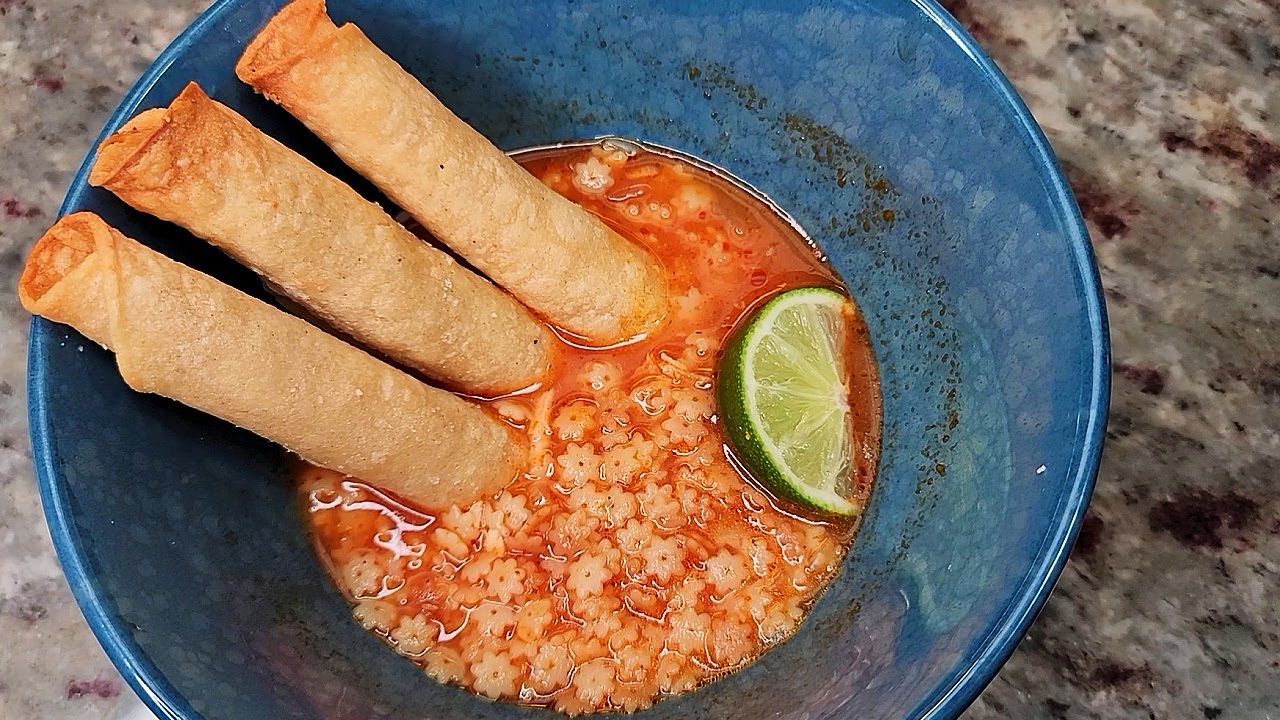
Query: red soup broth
632,559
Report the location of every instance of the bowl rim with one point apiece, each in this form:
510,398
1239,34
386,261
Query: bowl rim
946,701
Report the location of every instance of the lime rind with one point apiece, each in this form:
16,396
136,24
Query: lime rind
784,399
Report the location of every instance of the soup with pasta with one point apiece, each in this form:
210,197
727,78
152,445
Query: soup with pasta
633,558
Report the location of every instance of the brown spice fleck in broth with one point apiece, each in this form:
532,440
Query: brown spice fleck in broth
631,560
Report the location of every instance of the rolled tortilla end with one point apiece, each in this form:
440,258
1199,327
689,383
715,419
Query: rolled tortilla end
69,277
559,259
186,336
343,259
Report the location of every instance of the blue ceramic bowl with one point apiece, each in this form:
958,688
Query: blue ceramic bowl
878,124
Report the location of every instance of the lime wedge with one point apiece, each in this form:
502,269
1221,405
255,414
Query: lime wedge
784,399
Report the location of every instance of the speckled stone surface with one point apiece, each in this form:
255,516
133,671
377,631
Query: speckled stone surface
1166,115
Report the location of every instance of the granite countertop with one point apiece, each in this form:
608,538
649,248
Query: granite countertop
1166,116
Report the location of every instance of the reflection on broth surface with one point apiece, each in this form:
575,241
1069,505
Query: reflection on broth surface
631,559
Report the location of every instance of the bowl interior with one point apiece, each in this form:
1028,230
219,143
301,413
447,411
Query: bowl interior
876,124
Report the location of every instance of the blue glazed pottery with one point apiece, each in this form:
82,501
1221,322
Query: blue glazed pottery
880,127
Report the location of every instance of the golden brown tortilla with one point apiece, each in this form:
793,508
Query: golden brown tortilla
184,335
